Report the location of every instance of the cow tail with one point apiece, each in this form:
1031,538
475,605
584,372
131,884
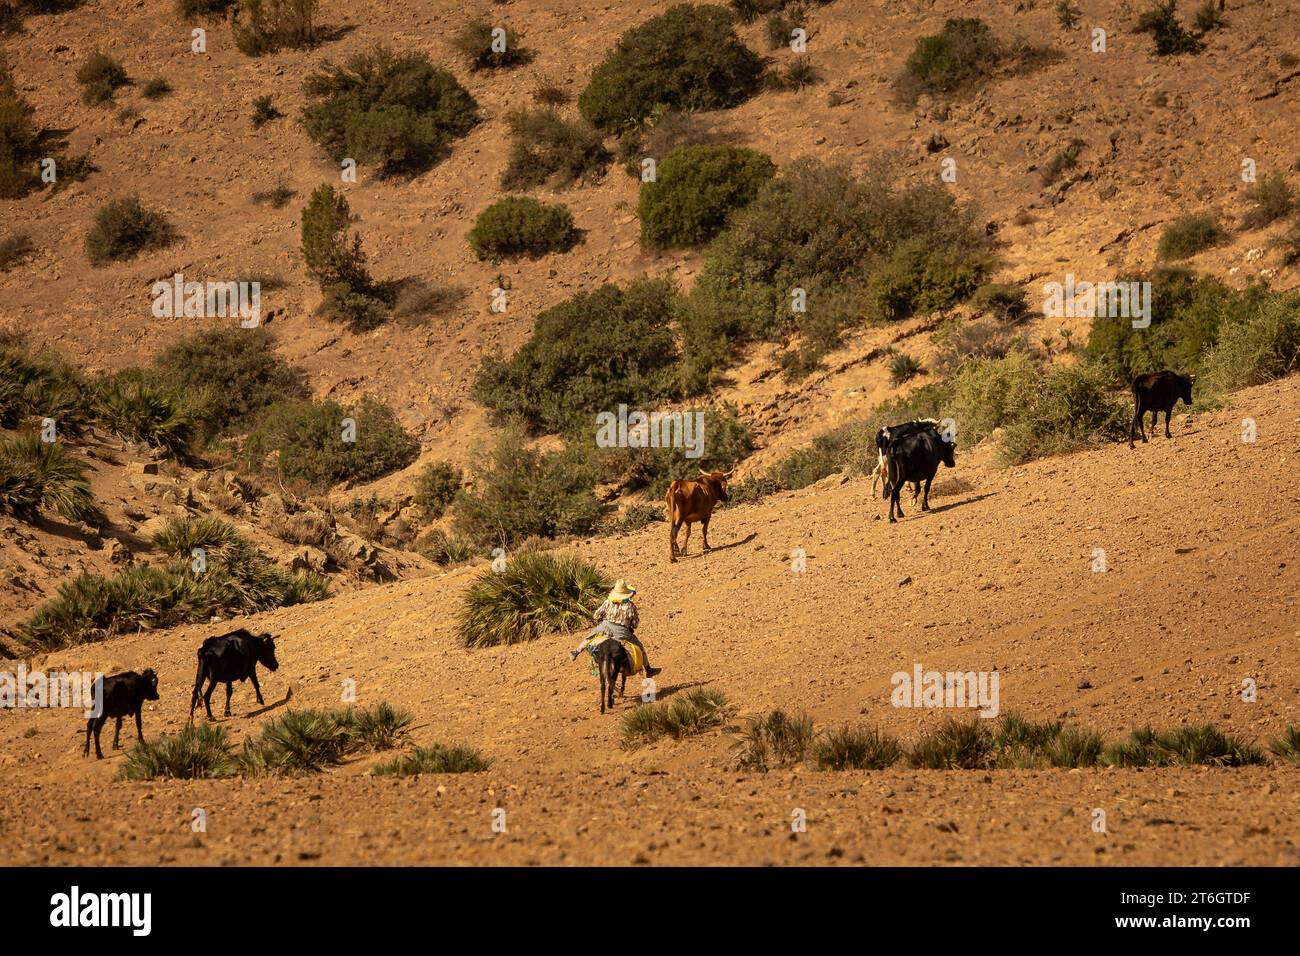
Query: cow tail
671,497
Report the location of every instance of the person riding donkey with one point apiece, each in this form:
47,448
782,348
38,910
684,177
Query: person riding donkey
617,617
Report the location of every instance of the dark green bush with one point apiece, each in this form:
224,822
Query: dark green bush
1190,234
586,355
100,77
156,88
722,439
519,492
964,52
852,749
198,752
989,393
42,386
124,228
663,132
1203,745
19,140
264,112
1170,37
483,50
919,279
267,26
694,191
304,442
298,742
228,376
535,593
838,450
548,149
521,226
436,487
335,260
1209,17
688,57
397,111
954,745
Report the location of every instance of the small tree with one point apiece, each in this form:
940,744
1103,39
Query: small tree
332,253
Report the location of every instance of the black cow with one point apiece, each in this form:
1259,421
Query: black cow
888,434
915,458
228,658
1157,392
120,696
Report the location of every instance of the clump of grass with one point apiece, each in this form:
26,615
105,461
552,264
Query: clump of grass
776,739
382,728
277,197
198,752
1273,199
1075,748
851,748
1067,15
1208,17
534,593
1203,745
124,228
138,412
100,77
298,742
963,53
266,26
1287,747
955,745
684,715
38,476
547,148
903,367
1062,162
437,758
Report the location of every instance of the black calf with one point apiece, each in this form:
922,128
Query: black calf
1157,392
120,696
228,658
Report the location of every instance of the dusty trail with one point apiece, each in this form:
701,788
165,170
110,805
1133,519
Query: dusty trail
1200,535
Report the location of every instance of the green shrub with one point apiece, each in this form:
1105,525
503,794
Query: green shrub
1257,347
799,73
308,442
397,111
547,149
228,376
124,228
1208,17
662,132
688,57
437,758
180,536
1065,160
298,742
1067,15
442,548
1075,748
776,739
857,247
954,745
535,593
100,76
19,140
989,393
264,112
1188,235
1005,302
521,226
723,442
156,88
963,53
37,476
333,255
267,26
485,50
1170,37
198,752
1072,408
42,386
1273,199
838,450
1287,747
694,191
436,486
684,715
520,492
586,355
852,749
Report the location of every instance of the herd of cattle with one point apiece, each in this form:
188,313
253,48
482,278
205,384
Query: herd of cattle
907,453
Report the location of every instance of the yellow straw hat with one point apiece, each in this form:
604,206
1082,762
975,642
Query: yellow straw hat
621,592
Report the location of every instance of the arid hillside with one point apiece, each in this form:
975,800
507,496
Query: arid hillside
1198,595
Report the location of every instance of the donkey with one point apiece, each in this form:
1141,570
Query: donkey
612,662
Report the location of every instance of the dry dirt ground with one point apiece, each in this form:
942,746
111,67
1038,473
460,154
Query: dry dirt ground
1201,538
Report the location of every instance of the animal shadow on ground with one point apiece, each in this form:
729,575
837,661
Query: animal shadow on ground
934,510
663,693
288,695
718,547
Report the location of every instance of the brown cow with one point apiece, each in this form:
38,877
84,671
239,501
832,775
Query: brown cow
691,501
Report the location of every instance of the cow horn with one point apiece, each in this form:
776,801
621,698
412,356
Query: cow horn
704,473
728,474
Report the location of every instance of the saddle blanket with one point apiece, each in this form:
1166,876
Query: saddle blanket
634,653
